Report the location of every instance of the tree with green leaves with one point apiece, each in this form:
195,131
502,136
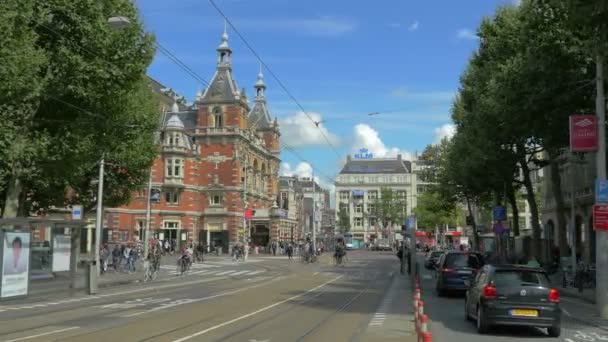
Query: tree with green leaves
433,211
76,90
343,221
390,207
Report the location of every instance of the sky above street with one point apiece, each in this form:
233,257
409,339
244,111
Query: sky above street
341,59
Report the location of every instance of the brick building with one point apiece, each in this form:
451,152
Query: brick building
218,157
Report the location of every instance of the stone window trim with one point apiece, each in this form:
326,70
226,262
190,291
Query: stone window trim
174,167
172,224
215,199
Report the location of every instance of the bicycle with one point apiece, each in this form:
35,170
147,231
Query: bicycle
151,269
183,265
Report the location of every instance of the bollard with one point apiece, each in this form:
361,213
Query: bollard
419,313
427,337
424,324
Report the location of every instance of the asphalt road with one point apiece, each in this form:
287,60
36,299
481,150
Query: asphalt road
448,322
264,299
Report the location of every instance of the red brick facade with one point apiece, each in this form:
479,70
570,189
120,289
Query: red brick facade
209,154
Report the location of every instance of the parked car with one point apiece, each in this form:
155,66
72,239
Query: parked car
432,259
382,245
454,269
513,295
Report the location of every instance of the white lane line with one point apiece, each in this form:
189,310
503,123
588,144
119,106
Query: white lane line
225,272
314,274
120,293
256,312
240,272
40,335
207,298
256,272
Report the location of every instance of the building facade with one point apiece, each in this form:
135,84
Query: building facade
358,187
218,158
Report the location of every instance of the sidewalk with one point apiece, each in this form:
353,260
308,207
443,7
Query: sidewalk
588,295
394,319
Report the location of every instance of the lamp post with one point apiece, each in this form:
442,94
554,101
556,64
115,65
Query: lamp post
99,216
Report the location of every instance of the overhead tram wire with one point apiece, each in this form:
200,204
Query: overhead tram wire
276,78
291,149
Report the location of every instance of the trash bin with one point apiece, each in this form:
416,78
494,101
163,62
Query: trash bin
92,278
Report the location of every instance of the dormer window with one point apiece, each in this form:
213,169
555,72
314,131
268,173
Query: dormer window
217,118
173,139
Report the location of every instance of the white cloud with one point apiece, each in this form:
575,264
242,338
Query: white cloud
300,130
304,169
467,34
367,137
328,26
445,131
414,26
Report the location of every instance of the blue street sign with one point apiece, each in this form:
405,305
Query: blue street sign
601,191
499,213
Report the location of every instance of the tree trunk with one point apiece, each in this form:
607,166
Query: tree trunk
514,210
560,205
533,207
475,243
11,204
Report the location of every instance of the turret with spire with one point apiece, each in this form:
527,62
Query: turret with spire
223,51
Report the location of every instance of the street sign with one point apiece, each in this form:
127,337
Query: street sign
583,133
600,217
499,213
498,228
77,212
601,191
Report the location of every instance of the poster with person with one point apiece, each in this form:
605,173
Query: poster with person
15,264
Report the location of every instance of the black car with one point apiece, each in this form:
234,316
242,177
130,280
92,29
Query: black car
432,259
454,269
513,295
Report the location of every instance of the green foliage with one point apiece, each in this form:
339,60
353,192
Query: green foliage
343,221
434,211
80,90
390,207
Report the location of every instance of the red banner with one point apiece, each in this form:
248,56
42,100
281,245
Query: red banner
600,217
248,214
583,133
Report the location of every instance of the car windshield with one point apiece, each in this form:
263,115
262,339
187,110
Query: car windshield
436,254
519,278
462,261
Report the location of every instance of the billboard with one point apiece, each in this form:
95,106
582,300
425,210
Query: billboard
583,133
15,264
61,253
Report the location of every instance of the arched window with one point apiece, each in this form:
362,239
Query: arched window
217,116
176,139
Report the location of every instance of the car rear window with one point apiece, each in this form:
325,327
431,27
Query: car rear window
520,278
462,260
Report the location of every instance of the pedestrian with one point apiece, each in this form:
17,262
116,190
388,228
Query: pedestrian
290,251
104,253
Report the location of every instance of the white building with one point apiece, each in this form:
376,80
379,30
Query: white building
358,186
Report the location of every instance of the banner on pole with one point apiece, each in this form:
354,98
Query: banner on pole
583,133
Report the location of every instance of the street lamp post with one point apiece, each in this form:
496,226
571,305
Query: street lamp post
99,217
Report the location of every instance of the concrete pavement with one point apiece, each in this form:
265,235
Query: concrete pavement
290,301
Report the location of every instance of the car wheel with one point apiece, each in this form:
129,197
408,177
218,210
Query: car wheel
554,331
482,326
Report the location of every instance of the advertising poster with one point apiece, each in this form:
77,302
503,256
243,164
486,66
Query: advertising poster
15,264
61,253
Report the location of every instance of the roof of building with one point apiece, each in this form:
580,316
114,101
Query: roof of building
381,166
175,122
259,117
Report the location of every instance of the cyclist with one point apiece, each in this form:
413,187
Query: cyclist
184,260
340,252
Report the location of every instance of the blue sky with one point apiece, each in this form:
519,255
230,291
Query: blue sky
341,59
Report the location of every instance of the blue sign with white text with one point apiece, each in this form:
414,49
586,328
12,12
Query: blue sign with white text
499,213
601,191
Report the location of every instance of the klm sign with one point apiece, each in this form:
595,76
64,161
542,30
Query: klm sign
364,154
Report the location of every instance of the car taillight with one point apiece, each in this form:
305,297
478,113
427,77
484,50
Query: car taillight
447,270
489,292
554,296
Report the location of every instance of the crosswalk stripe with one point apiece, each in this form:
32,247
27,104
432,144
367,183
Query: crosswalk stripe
240,272
256,272
225,272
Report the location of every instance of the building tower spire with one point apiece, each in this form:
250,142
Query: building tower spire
223,51
260,86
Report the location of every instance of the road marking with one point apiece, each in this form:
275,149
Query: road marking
188,301
256,312
240,272
225,272
40,335
315,273
117,293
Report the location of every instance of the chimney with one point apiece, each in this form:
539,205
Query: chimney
399,157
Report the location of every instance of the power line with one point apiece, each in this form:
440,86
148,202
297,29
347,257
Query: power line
276,78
